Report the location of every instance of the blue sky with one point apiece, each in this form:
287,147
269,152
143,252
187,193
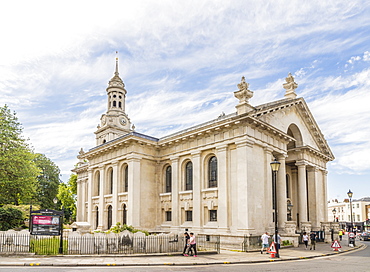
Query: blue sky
181,62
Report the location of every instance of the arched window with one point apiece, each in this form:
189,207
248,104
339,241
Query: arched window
125,179
212,172
168,179
96,217
114,103
109,217
110,188
97,184
124,215
120,105
189,176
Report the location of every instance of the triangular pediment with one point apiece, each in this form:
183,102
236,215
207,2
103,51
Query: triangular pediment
281,114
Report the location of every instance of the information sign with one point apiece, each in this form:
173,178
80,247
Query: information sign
46,222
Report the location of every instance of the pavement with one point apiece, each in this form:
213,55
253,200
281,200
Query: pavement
204,258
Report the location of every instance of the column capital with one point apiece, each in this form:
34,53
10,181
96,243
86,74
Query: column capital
281,157
244,142
268,150
301,163
174,159
221,148
196,154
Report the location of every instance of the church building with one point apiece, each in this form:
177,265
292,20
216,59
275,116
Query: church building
212,178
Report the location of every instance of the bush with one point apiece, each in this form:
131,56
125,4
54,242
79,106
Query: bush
119,228
10,218
286,243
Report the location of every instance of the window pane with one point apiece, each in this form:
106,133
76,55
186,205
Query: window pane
168,216
189,176
212,172
213,215
189,215
168,179
126,179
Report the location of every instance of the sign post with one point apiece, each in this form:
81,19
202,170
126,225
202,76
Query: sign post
47,222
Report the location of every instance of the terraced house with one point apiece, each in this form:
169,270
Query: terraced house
211,178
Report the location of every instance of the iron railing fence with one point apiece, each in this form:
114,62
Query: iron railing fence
252,242
103,244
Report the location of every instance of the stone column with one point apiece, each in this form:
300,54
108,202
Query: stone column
197,201
241,213
102,211
325,193
115,208
80,204
90,189
175,209
302,192
134,198
222,166
267,193
281,193
313,204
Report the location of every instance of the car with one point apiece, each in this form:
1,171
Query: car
365,236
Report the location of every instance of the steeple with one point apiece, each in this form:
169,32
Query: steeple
115,122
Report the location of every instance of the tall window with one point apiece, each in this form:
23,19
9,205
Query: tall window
124,215
97,184
96,217
189,216
110,189
125,178
189,176
109,216
212,172
168,179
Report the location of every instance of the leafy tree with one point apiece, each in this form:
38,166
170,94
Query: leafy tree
10,218
18,172
48,181
67,196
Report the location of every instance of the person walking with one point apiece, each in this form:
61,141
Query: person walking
265,242
313,237
340,234
278,240
193,245
305,239
187,241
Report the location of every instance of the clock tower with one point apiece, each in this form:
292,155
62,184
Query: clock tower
115,122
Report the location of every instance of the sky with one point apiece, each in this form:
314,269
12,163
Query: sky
181,62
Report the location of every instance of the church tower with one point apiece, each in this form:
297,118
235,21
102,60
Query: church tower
115,122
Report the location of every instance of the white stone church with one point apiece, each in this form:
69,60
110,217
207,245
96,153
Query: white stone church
213,178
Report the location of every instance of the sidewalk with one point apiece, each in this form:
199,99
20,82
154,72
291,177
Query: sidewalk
225,257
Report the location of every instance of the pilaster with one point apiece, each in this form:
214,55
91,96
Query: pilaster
222,166
197,200
175,209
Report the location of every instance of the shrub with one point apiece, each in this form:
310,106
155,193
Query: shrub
119,228
10,218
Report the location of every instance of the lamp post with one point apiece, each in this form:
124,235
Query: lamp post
275,167
350,194
55,200
334,212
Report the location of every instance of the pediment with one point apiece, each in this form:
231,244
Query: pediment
281,114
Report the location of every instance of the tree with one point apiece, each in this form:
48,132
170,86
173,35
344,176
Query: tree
10,218
17,170
67,195
48,181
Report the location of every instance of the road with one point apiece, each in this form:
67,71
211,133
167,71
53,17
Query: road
357,260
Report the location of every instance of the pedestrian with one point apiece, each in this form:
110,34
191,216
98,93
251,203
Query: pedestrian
340,234
305,239
187,241
193,245
265,242
278,242
313,237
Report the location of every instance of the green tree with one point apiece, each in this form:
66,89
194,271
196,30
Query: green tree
67,196
18,172
48,181
10,218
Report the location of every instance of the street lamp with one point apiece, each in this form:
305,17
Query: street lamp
55,200
350,194
334,212
275,167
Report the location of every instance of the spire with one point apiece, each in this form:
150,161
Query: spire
116,81
116,72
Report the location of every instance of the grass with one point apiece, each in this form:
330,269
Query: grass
47,246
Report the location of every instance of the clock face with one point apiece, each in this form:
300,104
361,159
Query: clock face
122,120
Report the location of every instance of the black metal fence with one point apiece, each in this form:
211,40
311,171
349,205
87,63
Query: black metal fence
252,243
103,244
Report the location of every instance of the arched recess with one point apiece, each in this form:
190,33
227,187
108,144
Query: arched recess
96,219
188,176
168,179
124,178
97,183
294,132
124,214
109,185
109,217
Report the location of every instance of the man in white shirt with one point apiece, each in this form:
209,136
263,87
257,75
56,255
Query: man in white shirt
265,242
